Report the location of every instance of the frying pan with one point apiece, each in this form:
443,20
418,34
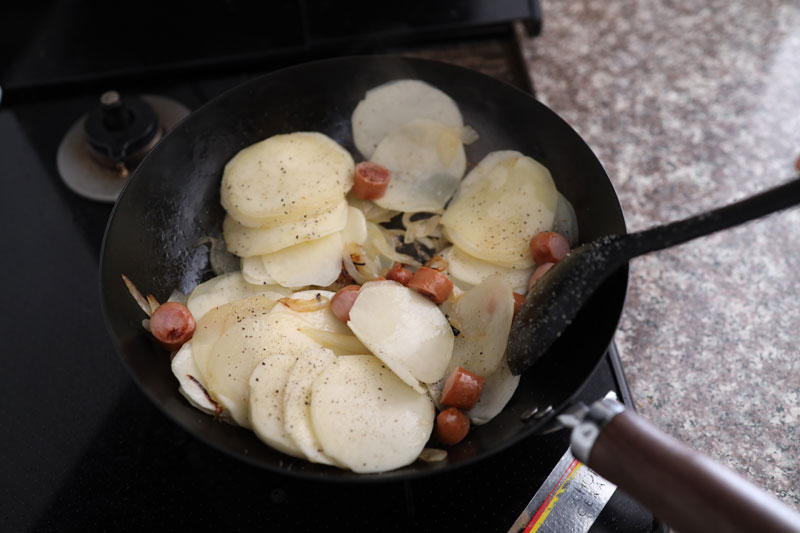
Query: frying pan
172,202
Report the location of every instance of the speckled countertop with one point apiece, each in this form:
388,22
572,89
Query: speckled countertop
690,105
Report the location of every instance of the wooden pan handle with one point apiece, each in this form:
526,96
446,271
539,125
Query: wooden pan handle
684,488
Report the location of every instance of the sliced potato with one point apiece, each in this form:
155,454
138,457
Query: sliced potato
566,222
249,242
191,381
498,388
483,317
355,231
427,161
404,329
467,271
366,418
253,271
241,348
317,262
267,383
224,289
484,166
285,176
495,218
392,104
297,403
216,322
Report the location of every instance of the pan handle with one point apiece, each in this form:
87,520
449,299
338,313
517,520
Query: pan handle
684,488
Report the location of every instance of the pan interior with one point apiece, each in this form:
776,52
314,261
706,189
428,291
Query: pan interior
172,202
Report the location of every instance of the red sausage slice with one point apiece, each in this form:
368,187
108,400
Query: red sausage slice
172,324
399,274
452,426
540,271
519,299
549,247
343,300
431,283
370,180
462,389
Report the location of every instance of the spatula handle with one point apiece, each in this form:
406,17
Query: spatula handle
684,488
660,237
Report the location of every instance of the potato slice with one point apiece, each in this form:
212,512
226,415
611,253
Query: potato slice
267,383
467,271
427,161
285,176
297,403
498,388
216,322
224,289
317,262
355,231
366,418
392,104
496,216
249,242
484,166
191,384
242,347
566,222
483,317
253,272
404,329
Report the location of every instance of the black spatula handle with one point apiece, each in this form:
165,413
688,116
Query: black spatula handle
660,237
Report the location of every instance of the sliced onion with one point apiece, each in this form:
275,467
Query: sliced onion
338,343
372,211
140,299
469,135
433,455
437,262
381,238
306,306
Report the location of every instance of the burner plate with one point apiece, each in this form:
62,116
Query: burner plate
84,176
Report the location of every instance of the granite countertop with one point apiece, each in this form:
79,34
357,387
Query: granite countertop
691,105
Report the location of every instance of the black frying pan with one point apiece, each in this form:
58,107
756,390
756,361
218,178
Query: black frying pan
172,201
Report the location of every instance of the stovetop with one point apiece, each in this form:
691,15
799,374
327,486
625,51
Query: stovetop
83,449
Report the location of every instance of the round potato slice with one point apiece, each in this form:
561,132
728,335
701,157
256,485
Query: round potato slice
498,388
392,104
317,262
218,320
285,176
467,271
566,222
297,402
355,231
253,272
483,317
366,418
427,161
404,329
249,242
222,290
267,383
498,214
483,167
191,384
241,348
